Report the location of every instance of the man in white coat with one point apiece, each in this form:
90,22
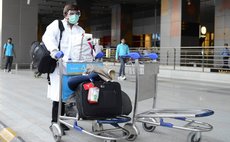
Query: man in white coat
73,46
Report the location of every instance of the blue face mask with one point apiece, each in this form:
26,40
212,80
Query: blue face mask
73,19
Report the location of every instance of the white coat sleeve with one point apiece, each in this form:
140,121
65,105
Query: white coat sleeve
50,37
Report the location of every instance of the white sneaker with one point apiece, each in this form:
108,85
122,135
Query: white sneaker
119,78
4,70
123,78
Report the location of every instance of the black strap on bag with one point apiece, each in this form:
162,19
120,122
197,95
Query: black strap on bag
61,28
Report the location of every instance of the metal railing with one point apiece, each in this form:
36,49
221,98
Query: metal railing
202,59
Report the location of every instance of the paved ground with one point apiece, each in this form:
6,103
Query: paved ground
25,108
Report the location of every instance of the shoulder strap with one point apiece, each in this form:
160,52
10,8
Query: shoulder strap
61,28
48,78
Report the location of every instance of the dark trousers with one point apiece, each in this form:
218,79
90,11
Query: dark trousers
122,66
9,61
225,62
55,111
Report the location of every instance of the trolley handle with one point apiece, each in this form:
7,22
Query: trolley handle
98,56
136,55
206,112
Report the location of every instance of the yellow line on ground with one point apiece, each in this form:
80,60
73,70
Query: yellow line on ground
7,134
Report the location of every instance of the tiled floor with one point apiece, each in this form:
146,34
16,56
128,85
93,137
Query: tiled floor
25,108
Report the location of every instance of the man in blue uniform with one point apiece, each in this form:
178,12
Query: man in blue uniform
122,49
8,53
226,54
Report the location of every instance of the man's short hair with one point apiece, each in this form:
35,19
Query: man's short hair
10,38
69,7
226,44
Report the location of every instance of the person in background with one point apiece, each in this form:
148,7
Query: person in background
98,47
122,49
225,53
8,53
90,42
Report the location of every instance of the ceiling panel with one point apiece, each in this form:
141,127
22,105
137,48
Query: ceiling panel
53,8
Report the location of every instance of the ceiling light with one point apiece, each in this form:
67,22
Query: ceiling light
203,30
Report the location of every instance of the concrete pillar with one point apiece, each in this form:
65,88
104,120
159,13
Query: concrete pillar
222,28
19,21
190,23
171,19
222,20
121,25
116,25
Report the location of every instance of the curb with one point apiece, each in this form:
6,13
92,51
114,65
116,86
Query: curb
8,135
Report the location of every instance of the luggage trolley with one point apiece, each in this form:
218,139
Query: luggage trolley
112,134
155,117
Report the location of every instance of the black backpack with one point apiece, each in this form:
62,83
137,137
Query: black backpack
41,59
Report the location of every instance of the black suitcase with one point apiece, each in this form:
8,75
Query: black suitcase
109,104
71,105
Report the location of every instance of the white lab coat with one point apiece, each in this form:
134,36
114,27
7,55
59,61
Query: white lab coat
73,45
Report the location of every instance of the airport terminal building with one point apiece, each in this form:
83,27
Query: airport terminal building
147,24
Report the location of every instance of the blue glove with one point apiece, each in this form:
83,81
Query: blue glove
99,55
59,55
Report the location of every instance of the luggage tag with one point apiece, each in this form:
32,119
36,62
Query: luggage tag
93,95
87,86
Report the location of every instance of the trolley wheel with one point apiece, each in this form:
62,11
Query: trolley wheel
148,127
97,127
131,137
57,132
194,137
132,131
